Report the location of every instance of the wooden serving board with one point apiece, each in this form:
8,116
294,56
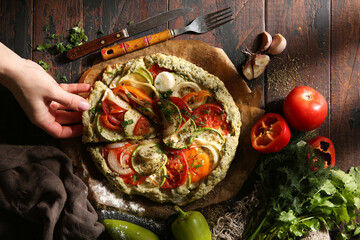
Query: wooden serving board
215,61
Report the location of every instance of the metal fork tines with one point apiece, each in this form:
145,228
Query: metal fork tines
207,22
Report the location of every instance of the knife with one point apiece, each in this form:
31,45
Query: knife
132,29
201,24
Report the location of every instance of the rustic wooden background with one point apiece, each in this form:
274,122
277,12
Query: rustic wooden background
323,52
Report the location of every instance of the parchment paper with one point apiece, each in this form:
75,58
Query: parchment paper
215,61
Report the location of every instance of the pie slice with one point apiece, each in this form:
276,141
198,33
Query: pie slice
111,119
164,127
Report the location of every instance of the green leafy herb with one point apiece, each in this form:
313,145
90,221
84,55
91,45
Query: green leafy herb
166,94
60,48
64,79
43,47
53,36
44,65
77,35
198,165
131,22
125,123
297,199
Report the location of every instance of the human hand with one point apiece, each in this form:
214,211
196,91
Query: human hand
56,108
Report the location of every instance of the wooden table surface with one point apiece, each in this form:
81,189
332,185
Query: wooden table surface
323,52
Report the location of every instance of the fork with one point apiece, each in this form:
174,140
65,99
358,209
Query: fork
199,25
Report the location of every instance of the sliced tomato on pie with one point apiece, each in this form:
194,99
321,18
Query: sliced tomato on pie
177,171
110,107
196,99
156,69
184,109
134,179
116,118
143,127
109,124
199,163
211,115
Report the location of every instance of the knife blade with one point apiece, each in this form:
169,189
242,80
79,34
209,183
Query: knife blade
132,29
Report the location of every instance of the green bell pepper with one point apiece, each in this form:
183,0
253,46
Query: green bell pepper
122,230
190,225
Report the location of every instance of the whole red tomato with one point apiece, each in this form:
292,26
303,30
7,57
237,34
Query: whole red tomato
270,134
305,109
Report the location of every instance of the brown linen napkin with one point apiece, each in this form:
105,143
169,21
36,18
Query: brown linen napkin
37,186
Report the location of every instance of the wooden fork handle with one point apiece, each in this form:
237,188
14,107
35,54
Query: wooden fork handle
96,44
136,44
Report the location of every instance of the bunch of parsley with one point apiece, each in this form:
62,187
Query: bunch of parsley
297,199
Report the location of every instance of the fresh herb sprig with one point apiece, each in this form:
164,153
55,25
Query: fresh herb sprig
297,199
44,65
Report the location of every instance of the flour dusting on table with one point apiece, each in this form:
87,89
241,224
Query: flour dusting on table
109,197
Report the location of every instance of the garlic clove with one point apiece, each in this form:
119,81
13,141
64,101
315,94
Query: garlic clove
266,40
278,44
258,70
261,60
247,69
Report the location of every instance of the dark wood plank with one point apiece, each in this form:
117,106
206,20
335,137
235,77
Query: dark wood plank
345,82
111,16
16,24
233,37
59,17
306,60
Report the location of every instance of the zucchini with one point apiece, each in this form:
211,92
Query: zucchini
130,119
145,73
181,89
171,117
210,136
148,159
108,134
183,137
136,80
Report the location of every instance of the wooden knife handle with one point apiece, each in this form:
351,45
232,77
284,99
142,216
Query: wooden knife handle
89,47
136,44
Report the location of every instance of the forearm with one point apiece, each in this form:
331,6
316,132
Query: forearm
9,61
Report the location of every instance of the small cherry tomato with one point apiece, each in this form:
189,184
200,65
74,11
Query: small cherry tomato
324,148
305,109
270,134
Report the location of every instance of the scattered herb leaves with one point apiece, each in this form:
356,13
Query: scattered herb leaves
43,47
125,123
77,35
64,79
44,65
